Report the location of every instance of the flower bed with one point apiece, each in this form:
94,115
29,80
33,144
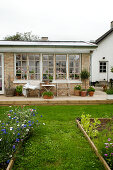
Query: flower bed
103,143
14,130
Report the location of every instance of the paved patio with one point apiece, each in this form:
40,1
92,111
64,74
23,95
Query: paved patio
99,97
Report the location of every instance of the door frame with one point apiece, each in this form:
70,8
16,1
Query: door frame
2,62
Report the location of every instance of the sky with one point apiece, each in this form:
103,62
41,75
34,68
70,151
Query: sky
74,20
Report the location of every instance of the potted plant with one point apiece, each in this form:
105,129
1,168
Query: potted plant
18,73
91,91
9,90
84,76
109,93
25,76
19,90
83,92
77,90
32,74
47,95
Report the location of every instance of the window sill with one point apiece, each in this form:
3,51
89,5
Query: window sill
67,81
25,81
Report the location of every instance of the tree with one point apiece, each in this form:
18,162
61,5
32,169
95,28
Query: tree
27,36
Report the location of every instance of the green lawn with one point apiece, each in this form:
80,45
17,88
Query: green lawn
59,144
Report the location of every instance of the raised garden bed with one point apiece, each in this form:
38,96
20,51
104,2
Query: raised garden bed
105,124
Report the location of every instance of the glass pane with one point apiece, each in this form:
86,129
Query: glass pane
50,70
24,57
31,70
45,57
0,84
18,57
31,57
71,57
45,63
24,63
37,57
18,63
60,57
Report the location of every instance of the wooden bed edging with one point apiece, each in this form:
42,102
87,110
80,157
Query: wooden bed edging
10,165
93,146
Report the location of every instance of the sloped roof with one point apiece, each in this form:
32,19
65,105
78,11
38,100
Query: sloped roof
48,43
103,36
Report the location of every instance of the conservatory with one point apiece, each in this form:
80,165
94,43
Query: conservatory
59,62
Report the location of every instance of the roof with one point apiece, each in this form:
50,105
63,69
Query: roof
48,43
103,36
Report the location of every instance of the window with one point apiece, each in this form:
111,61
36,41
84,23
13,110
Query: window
102,67
60,66
74,66
27,66
47,67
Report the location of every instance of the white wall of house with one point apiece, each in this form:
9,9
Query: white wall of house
104,52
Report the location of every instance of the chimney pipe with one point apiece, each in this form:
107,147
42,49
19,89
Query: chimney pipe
111,24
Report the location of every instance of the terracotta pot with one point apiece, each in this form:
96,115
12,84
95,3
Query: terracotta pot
83,93
91,93
47,97
47,82
77,92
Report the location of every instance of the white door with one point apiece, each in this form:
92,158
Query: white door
1,74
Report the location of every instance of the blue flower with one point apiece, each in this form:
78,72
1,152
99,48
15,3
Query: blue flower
10,111
29,124
2,123
33,109
29,121
32,122
18,134
17,140
14,118
41,116
17,121
15,113
33,114
37,120
8,161
13,146
25,125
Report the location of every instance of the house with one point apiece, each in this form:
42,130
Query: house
59,61
102,58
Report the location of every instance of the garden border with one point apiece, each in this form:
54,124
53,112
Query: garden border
93,146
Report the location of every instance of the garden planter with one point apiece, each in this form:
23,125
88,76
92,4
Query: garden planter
9,92
77,92
103,122
83,93
91,93
47,97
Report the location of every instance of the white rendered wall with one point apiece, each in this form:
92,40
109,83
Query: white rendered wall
105,49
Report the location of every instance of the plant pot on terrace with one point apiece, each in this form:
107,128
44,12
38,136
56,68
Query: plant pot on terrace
18,90
83,92
47,95
91,91
77,90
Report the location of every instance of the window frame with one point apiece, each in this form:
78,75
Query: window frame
102,67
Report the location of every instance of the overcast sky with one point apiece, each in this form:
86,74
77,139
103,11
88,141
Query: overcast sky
57,19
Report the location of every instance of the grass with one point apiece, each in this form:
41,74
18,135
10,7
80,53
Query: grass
59,144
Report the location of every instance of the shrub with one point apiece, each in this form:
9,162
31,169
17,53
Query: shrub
91,89
84,74
77,87
109,91
90,127
47,93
